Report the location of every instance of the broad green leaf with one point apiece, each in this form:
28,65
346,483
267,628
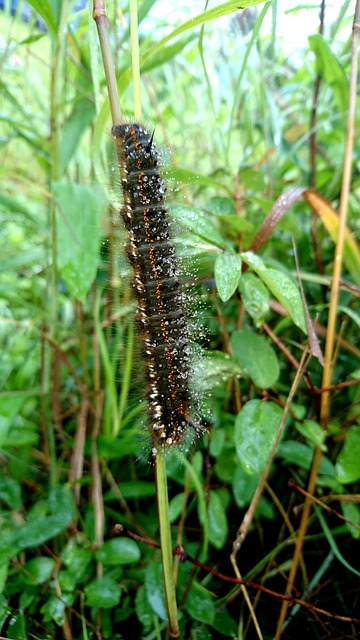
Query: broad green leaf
281,286
195,221
199,604
252,179
38,570
255,297
347,466
118,551
39,531
256,357
103,592
302,455
225,624
227,274
255,432
244,487
330,70
76,559
142,608
18,436
314,434
54,609
78,240
155,589
214,369
219,205
61,502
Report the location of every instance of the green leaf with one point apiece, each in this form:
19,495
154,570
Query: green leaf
142,608
255,432
176,506
38,570
118,551
302,455
10,492
217,521
347,466
351,511
74,127
332,542
155,589
199,604
44,9
193,220
255,297
39,531
76,559
252,179
61,501
221,206
214,369
103,593
256,357
165,54
54,609
227,274
330,70
244,487
4,567
78,234
225,625
312,431
280,286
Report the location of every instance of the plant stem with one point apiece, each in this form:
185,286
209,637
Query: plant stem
165,541
99,15
135,57
334,295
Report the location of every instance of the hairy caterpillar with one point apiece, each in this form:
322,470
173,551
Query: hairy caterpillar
160,293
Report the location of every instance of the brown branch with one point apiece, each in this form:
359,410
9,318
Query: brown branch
287,597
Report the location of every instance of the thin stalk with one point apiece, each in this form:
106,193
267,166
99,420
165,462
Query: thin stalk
58,55
334,295
125,386
135,57
99,15
165,541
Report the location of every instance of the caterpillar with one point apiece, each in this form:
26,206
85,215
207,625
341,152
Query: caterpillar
161,296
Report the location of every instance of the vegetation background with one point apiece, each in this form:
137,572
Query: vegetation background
245,122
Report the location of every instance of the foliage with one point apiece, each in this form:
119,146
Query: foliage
236,108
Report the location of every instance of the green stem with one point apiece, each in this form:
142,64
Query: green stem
165,541
127,373
135,58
